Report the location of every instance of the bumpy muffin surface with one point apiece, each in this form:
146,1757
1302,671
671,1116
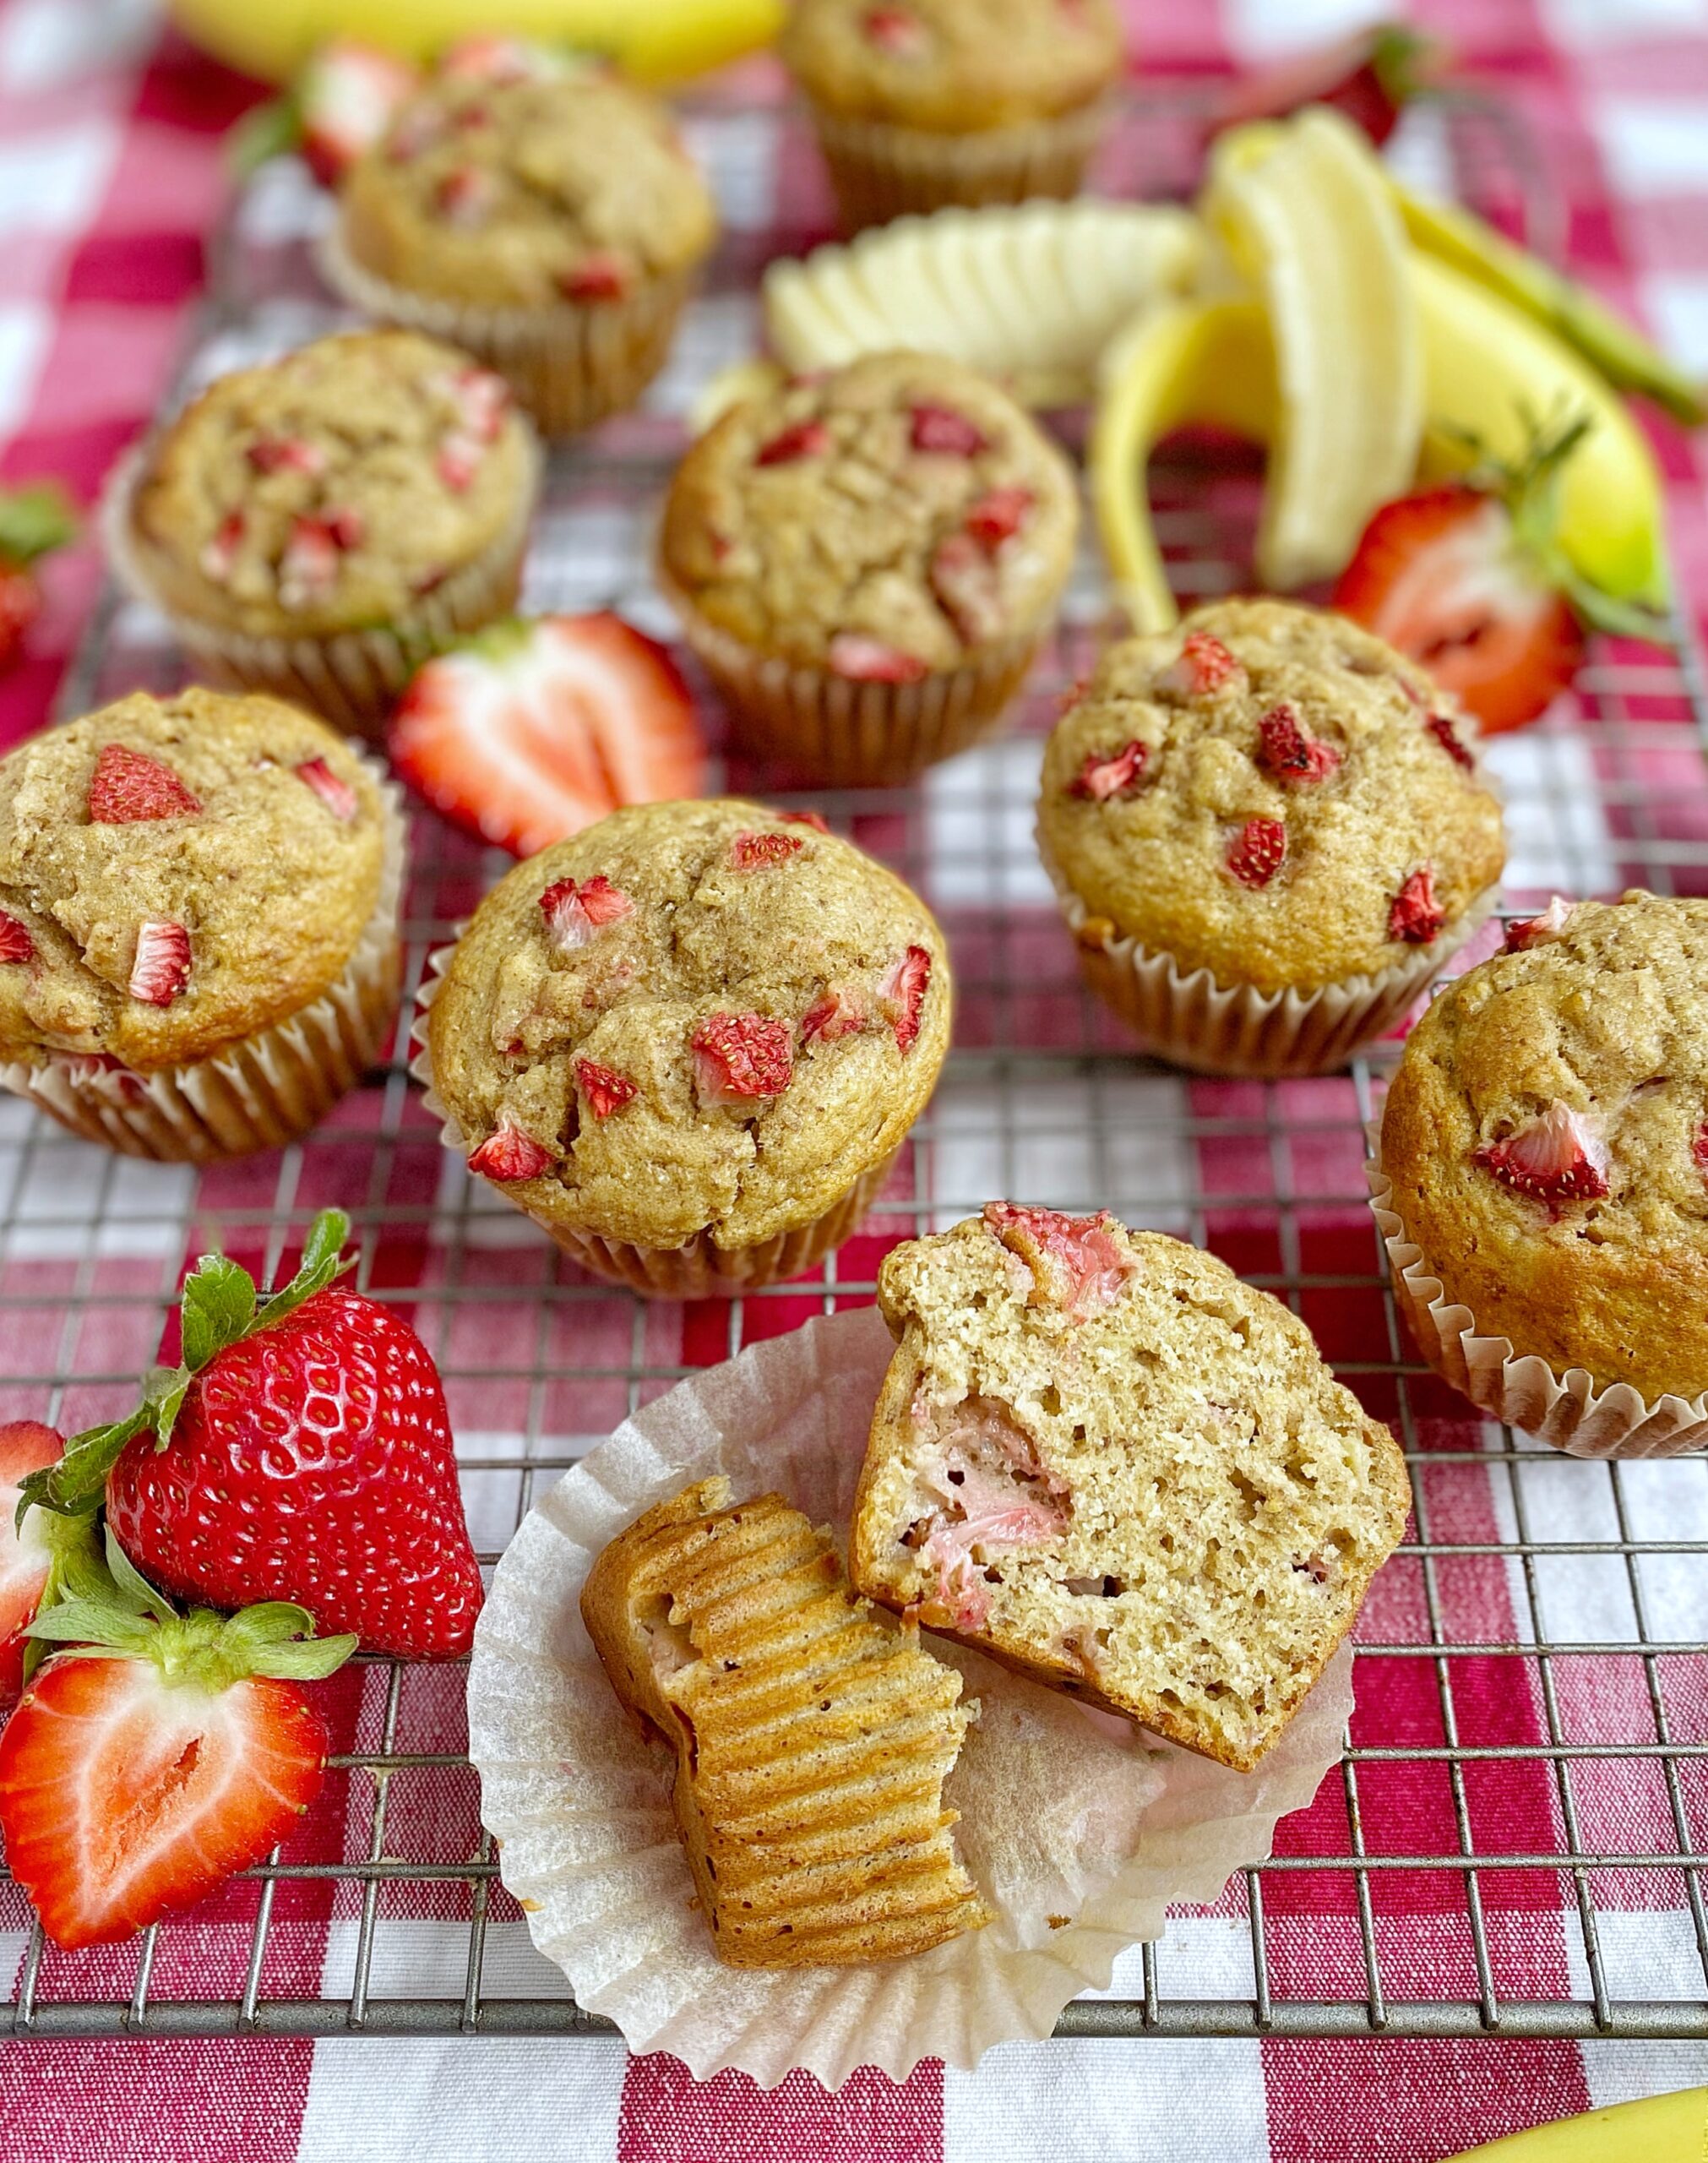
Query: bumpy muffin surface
953,67
691,1017
333,488
1547,1138
529,193
177,874
884,520
1271,793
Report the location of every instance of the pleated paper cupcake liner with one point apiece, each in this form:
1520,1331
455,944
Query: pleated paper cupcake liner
264,1090
1080,1829
571,364
350,679
1566,1410
1196,1020
879,170
700,1269
850,734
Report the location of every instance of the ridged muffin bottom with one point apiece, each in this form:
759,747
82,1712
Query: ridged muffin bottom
881,170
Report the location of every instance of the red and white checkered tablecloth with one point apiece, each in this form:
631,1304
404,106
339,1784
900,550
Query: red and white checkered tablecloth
111,174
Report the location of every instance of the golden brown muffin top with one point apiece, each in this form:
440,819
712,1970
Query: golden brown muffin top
332,488
527,194
691,1017
186,871
952,66
885,519
1271,793
1547,1137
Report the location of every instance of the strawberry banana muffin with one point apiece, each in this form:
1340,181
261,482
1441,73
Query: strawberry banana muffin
199,943
1543,1177
1268,831
923,103
316,526
690,1041
866,562
1100,1456
550,224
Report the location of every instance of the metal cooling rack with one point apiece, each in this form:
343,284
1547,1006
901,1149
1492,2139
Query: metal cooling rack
399,1931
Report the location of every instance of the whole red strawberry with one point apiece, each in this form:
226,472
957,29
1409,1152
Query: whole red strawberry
301,1452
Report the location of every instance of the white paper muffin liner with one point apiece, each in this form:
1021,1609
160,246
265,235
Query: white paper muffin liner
1196,1020
1566,1410
267,1088
350,679
1079,1829
700,1269
571,364
856,735
880,170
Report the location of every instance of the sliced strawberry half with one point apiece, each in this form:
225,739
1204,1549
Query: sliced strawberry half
605,1089
902,991
574,914
1287,752
1258,851
162,968
127,786
1120,774
335,792
508,1153
16,942
345,99
26,1551
1559,1156
538,728
739,1056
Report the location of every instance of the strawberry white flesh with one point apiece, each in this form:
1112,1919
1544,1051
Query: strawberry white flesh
347,97
1559,1156
1528,931
162,968
26,1446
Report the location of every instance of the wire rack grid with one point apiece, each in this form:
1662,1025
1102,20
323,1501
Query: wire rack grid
1417,1897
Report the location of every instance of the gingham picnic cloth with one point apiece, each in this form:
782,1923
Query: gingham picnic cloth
110,175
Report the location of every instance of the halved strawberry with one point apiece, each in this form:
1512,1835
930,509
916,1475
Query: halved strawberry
834,1013
1416,914
1287,752
508,1153
1536,930
27,1552
804,440
902,991
866,660
1369,76
1118,775
337,795
16,943
998,515
737,1056
1258,852
137,1778
128,786
605,1089
574,914
1470,581
162,968
538,727
749,852
344,101
1559,1156
1203,666
941,428
600,274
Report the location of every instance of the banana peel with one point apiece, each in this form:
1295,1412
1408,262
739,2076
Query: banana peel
652,41
1489,372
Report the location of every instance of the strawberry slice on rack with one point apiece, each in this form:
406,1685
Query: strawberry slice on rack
300,1452
1469,579
539,728
159,1754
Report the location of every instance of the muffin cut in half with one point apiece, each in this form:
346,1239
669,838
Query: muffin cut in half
811,1737
1101,1458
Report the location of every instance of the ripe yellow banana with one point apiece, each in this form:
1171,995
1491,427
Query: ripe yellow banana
654,40
1487,369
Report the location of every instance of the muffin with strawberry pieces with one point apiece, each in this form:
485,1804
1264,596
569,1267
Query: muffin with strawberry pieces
542,214
922,103
1541,1177
866,562
1268,831
198,933
314,526
689,1042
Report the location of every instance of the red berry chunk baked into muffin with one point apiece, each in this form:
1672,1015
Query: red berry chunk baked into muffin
1100,1456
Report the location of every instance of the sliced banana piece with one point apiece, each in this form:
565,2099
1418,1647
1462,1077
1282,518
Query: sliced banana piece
1030,294
1309,220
